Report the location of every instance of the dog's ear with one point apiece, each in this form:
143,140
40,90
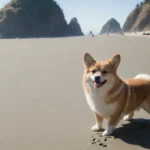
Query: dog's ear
88,60
115,61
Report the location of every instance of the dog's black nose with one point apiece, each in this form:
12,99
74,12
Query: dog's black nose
97,79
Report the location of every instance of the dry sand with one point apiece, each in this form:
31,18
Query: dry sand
42,103
137,34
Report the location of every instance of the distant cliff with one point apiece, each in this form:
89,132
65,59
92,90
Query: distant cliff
139,18
112,26
34,18
74,28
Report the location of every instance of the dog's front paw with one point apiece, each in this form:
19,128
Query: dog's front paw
107,133
96,128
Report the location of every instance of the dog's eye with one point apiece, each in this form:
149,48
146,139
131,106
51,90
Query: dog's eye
104,72
93,71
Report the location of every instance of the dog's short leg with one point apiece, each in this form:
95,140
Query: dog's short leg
99,121
128,117
113,121
146,106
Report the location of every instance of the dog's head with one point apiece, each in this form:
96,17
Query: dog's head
101,73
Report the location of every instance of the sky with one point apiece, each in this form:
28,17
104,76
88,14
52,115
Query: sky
93,14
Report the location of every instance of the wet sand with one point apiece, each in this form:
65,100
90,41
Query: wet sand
42,103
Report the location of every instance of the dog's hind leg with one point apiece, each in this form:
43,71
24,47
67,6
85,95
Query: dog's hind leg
129,116
146,106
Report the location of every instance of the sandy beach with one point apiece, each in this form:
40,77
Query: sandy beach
141,34
42,103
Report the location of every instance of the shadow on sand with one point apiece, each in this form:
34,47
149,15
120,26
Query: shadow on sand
136,132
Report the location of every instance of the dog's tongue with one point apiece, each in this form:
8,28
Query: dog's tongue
97,84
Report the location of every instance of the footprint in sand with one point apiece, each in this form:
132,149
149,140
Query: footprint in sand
99,140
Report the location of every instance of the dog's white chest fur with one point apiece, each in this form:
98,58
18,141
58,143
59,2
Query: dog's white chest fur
97,102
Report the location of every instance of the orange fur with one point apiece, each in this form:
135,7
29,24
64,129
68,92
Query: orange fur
132,93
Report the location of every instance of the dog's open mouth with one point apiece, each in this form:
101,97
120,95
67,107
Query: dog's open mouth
99,84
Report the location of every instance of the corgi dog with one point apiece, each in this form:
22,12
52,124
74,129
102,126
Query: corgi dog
111,97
